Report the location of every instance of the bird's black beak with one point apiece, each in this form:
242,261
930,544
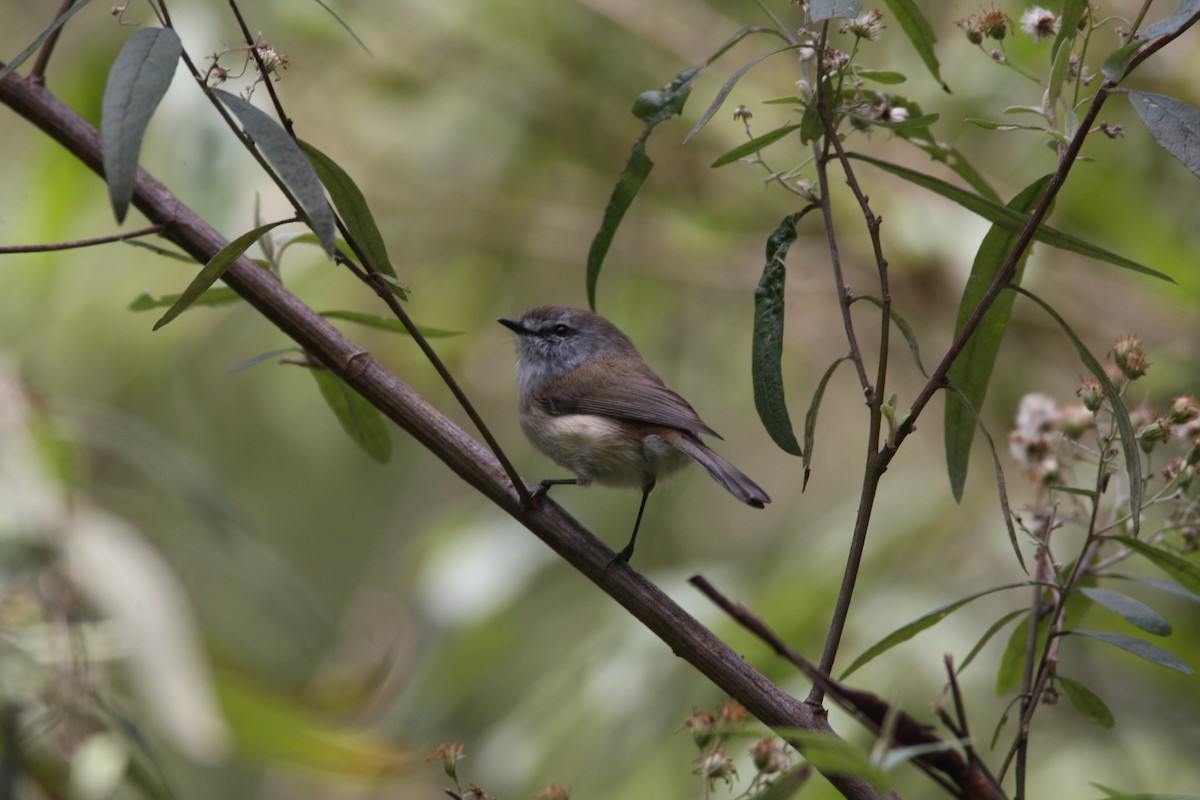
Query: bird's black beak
513,326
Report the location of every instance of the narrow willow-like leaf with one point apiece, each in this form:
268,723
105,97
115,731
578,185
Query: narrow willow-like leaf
833,754
1175,126
1012,661
352,205
995,628
1135,612
294,167
1165,586
652,108
162,251
821,10
345,27
218,296
810,418
766,355
723,93
213,270
754,145
136,83
1117,61
919,33
1139,647
972,370
906,632
881,76
1058,73
33,46
387,324
1187,14
1129,444
998,469
953,158
1183,571
786,785
250,362
905,330
998,214
923,121
1068,26
1086,702
361,421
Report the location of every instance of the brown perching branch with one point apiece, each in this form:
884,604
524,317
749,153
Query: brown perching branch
473,463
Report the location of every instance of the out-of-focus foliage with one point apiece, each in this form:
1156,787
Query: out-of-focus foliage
487,137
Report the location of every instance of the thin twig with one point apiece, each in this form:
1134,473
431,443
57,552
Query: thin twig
47,248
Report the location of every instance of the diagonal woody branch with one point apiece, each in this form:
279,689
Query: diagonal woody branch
473,463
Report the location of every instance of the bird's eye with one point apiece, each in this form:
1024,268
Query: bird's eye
561,330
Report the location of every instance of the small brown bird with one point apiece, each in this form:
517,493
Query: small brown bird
590,402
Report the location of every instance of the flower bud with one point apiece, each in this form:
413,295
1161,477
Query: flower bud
1153,433
703,727
1076,420
1128,355
715,765
553,792
768,757
1184,409
449,753
1092,394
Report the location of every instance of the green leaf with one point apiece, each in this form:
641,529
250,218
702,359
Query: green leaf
1012,661
33,46
652,108
972,370
1165,586
1135,612
219,296
810,418
1117,62
905,330
258,359
1007,218
352,205
1001,487
754,145
1129,444
136,83
995,628
387,324
728,87
908,631
919,33
767,347
1068,27
1174,125
293,166
162,251
785,785
923,121
1183,571
1139,647
345,27
361,421
1086,702
832,754
1184,16
881,76
213,270
821,10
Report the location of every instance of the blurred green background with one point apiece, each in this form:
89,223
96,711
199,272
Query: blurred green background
487,137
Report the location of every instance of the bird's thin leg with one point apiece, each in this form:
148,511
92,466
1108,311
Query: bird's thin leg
544,486
627,551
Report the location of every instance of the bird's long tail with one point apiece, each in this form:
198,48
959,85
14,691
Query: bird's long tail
722,471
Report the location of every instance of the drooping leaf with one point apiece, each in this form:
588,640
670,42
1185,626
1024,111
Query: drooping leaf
1135,612
908,631
260,358
1086,702
218,296
1165,586
158,250
881,76
288,159
1001,486
1007,218
361,421
972,370
905,329
995,628
724,91
136,83
352,205
213,270
1175,126
1183,571
821,10
652,108
345,27
919,33
766,358
1139,647
386,324
754,145
810,418
1129,444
